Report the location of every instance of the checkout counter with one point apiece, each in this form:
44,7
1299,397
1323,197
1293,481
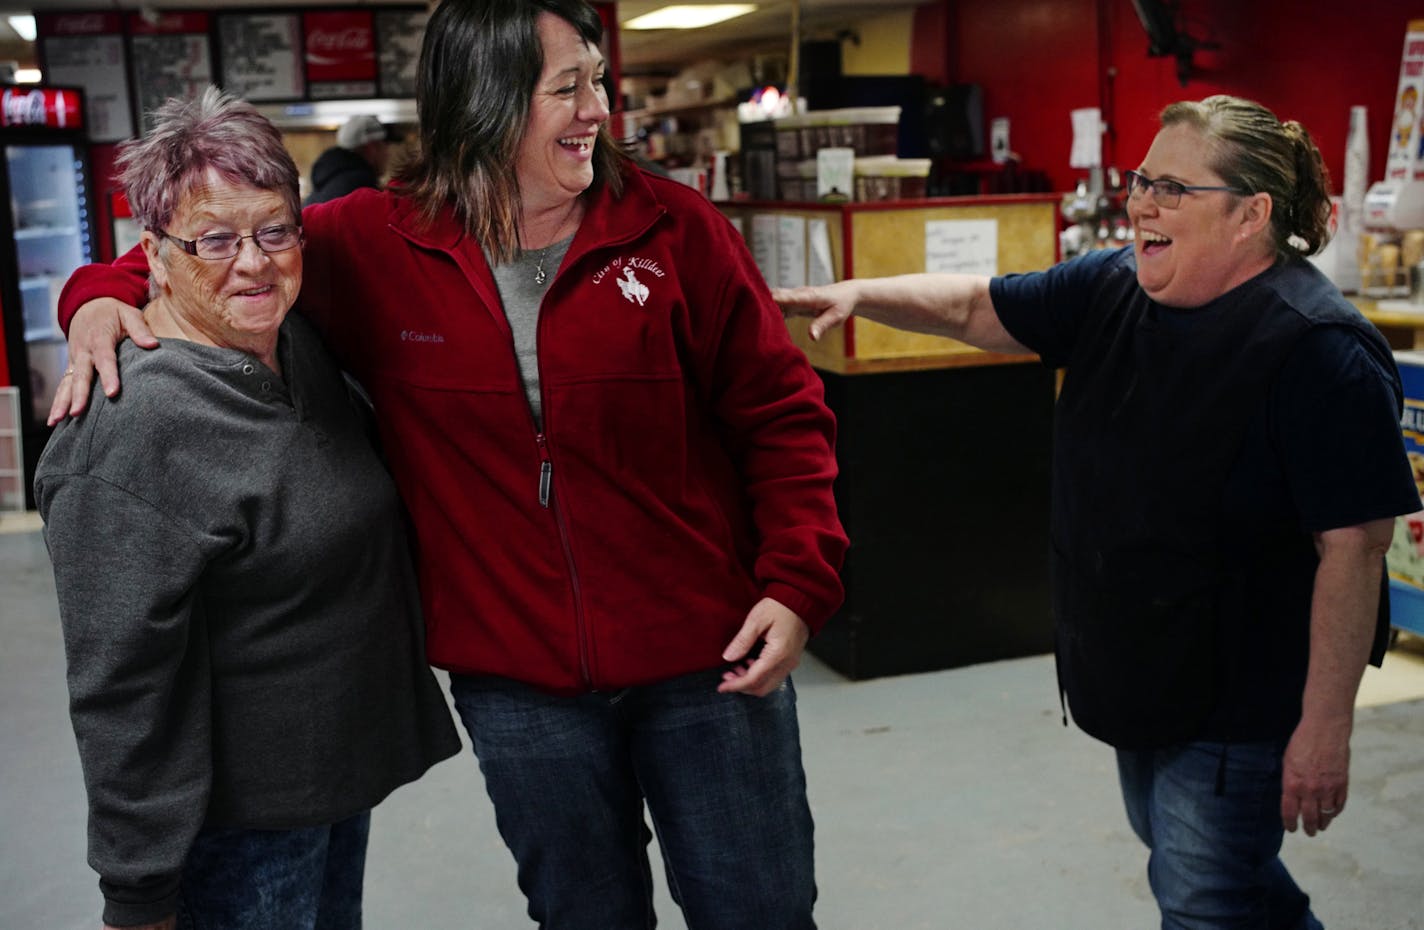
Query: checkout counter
943,448
1399,321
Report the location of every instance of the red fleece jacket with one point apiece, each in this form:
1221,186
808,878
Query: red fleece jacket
686,460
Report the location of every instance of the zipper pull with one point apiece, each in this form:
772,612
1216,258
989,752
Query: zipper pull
546,472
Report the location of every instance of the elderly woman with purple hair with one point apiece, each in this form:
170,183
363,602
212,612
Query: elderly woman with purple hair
245,653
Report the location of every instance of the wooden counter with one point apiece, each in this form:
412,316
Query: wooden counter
943,452
871,240
1401,322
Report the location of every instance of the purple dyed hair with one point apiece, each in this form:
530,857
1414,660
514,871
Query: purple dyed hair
216,131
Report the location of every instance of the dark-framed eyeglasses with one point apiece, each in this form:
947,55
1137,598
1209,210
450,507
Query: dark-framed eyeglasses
218,246
1168,193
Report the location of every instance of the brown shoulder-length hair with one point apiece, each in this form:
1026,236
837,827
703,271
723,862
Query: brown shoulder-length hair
1250,148
479,65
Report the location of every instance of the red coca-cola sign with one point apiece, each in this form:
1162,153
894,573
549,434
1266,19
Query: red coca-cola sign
78,24
55,107
341,46
168,22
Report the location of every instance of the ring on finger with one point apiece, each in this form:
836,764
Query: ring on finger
1329,810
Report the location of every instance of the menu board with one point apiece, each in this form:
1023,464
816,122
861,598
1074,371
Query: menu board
87,50
171,58
399,34
260,55
340,53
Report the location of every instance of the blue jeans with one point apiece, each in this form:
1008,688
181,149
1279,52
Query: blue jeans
1210,813
306,879
720,773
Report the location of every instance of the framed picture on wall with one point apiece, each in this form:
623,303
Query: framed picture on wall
260,55
87,50
399,34
340,53
171,56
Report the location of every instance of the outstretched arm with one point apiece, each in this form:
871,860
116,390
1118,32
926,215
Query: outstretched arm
954,305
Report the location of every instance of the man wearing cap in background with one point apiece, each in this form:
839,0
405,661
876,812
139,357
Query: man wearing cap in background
357,160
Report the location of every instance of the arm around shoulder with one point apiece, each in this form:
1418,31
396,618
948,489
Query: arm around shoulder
97,308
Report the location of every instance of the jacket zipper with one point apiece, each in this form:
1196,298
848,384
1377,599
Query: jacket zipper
546,480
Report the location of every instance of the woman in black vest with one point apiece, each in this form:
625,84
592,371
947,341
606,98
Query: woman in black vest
1227,466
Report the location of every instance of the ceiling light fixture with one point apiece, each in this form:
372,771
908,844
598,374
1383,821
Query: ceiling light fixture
24,27
689,17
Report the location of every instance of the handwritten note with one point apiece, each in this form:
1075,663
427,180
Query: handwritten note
962,246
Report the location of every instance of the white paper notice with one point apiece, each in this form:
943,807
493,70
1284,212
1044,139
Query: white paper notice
790,251
820,267
962,247
764,246
1087,138
95,63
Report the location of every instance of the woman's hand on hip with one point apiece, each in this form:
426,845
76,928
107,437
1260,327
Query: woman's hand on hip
97,327
783,635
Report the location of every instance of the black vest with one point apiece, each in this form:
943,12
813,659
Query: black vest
1147,584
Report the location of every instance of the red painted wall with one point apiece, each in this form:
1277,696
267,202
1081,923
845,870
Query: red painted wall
1308,60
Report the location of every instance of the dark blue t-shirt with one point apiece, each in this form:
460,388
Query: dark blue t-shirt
1320,447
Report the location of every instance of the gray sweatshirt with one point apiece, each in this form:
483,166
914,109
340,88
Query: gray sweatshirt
240,615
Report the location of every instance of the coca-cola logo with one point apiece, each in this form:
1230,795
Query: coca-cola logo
79,24
23,108
351,39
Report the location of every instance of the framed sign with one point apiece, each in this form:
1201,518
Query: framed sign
400,33
171,57
260,55
340,53
87,50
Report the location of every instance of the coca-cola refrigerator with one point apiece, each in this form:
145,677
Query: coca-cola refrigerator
45,233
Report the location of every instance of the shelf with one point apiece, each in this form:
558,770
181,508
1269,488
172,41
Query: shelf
36,281
46,232
684,110
48,334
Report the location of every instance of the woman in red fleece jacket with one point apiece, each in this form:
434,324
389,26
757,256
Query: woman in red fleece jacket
618,465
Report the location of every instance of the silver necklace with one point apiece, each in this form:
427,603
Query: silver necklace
540,276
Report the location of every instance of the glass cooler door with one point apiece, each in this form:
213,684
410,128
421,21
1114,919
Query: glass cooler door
50,218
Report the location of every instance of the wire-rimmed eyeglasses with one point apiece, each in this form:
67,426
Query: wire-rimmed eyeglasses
225,245
1168,193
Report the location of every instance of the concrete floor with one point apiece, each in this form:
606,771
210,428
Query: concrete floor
954,799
